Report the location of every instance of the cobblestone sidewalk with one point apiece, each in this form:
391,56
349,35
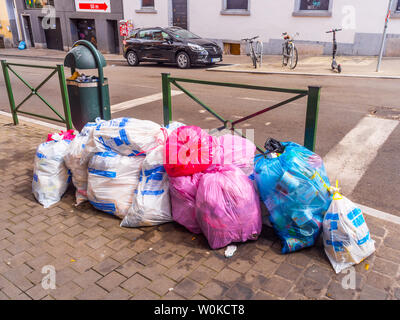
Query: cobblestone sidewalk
96,259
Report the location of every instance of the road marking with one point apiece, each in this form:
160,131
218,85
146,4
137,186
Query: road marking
379,214
140,101
350,158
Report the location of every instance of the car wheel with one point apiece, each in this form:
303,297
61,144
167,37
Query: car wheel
132,58
183,60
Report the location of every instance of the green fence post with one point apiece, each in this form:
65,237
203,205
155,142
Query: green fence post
9,91
166,90
310,134
64,97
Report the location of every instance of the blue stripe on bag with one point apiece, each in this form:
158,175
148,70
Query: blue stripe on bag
364,240
106,154
334,226
35,177
106,207
337,245
354,213
118,142
357,222
124,137
40,155
107,174
155,176
123,122
152,192
155,170
104,144
135,153
332,216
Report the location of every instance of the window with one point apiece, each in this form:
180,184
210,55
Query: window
147,4
237,4
307,8
236,7
314,4
398,6
147,7
38,4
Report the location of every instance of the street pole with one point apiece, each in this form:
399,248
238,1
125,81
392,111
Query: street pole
384,36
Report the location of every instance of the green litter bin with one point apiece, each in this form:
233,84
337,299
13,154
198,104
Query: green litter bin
89,97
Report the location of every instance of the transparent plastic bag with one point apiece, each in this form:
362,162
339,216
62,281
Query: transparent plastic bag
235,150
183,192
295,189
347,240
126,136
227,207
50,175
77,163
188,150
112,180
151,204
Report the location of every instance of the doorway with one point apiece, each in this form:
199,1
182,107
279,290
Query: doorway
86,30
28,31
54,36
179,13
113,36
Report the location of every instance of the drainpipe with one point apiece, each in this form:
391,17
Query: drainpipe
17,21
384,36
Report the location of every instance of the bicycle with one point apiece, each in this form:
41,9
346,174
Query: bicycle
289,51
255,51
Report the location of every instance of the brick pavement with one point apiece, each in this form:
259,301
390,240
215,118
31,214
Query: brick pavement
96,259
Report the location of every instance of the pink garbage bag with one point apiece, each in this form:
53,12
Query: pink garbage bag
183,200
227,207
188,150
235,150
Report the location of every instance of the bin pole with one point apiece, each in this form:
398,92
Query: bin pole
64,97
310,134
7,81
166,89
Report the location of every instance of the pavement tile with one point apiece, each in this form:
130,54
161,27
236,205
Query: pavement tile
214,290
129,268
318,274
161,285
288,271
371,293
337,292
240,292
386,267
146,294
111,281
66,292
135,283
87,278
106,266
202,274
118,294
278,286
123,255
93,292
309,288
187,288
379,281
262,295
153,271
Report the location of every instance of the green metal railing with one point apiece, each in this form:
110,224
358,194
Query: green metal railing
15,109
313,94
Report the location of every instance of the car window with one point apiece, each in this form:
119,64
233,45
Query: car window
147,34
183,34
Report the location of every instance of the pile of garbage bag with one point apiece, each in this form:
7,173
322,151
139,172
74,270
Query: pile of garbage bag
146,175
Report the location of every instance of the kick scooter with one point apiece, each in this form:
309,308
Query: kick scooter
335,65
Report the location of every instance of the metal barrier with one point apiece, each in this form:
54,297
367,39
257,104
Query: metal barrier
59,69
313,94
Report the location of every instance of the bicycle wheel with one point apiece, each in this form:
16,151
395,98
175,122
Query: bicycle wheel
285,57
253,57
294,56
259,52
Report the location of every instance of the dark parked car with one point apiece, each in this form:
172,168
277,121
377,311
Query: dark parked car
170,45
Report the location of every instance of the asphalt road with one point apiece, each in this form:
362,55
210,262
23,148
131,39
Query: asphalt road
345,102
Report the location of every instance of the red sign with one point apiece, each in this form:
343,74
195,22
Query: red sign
93,6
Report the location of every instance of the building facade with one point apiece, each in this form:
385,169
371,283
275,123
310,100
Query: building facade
8,27
228,21
66,21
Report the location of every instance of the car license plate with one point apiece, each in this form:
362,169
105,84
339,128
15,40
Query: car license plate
215,59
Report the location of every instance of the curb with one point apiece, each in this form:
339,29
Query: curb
304,74
40,58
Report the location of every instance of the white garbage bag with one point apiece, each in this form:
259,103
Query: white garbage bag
346,236
151,204
112,180
50,175
77,161
126,136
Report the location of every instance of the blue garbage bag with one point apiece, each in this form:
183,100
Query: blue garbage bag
295,189
22,45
